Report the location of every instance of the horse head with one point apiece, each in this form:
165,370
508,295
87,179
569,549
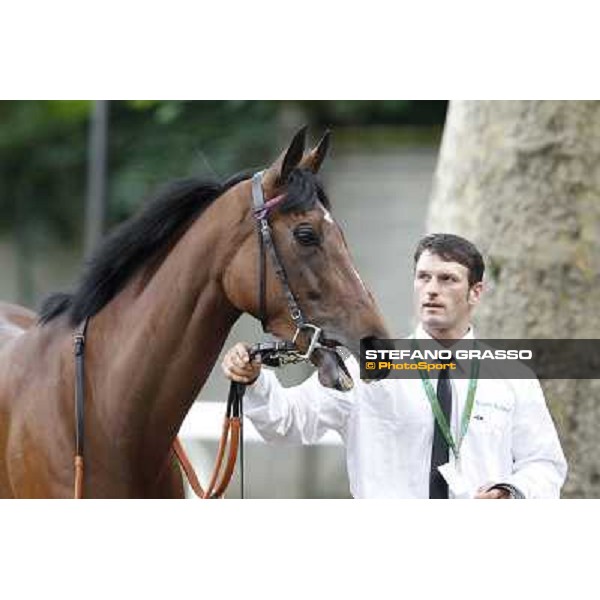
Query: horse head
333,302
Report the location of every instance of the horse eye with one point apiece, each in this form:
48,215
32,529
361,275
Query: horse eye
306,235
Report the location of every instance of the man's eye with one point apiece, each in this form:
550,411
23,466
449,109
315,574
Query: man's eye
306,235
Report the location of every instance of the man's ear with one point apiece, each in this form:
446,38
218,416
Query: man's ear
475,292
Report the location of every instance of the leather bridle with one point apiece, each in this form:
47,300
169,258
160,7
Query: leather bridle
274,353
265,238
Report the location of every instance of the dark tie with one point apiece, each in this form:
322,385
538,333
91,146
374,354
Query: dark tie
438,488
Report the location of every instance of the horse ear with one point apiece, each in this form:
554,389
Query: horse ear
314,159
279,171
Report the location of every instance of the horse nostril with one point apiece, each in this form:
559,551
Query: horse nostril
375,343
367,342
314,296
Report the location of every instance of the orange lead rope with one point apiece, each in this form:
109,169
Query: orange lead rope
230,440
231,434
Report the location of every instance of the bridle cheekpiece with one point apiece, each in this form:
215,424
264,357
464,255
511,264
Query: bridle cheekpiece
261,210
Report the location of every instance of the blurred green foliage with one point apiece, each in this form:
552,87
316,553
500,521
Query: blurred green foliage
42,164
43,149
376,112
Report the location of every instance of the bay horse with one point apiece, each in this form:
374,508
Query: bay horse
161,294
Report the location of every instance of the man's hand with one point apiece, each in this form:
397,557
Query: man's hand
237,365
493,494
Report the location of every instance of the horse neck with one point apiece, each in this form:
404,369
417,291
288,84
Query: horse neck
161,336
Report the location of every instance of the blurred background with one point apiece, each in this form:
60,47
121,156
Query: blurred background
521,179
71,170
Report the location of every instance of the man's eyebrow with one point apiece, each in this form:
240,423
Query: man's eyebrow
438,273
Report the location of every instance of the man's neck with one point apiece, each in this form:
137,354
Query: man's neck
447,337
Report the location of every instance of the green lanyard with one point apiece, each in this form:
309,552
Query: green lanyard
440,417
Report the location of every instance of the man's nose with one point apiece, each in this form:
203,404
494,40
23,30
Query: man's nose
431,289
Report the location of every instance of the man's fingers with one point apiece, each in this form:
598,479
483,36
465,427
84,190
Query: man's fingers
240,351
236,364
241,370
241,376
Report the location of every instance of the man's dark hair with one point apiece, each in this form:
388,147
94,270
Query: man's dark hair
451,247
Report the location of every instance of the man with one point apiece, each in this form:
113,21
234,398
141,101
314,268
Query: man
395,446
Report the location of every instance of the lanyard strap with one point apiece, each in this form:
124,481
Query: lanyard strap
438,413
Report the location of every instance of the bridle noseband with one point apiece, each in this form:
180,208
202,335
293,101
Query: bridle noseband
265,239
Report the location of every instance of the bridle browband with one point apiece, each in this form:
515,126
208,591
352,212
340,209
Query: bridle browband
272,353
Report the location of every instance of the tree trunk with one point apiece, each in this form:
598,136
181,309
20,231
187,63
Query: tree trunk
522,181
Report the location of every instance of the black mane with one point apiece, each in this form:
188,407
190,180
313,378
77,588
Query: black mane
132,244
137,241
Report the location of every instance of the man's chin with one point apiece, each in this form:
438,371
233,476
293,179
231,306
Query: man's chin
434,323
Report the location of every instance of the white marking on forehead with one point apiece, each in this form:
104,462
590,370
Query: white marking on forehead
362,283
329,219
328,216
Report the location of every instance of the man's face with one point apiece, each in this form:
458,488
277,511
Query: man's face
443,299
